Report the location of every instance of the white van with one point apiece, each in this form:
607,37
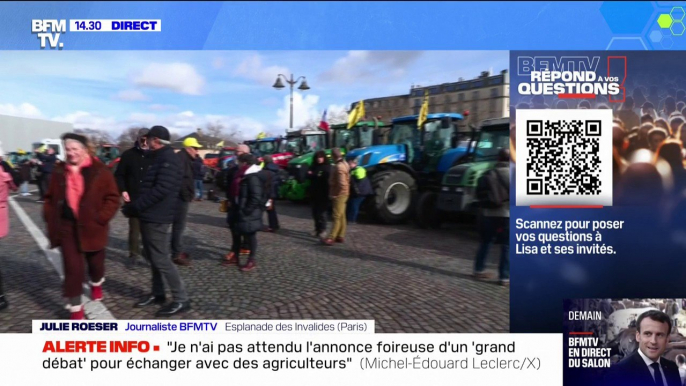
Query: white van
56,144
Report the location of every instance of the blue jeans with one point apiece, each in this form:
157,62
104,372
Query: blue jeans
494,229
24,187
198,188
354,208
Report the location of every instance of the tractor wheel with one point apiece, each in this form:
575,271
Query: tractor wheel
393,196
427,215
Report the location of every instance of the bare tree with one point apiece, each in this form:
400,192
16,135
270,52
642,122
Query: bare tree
231,134
215,130
128,137
96,137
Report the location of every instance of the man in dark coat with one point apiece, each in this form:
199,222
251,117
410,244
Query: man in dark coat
156,208
48,161
198,176
319,191
270,179
646,365
133,165
186,157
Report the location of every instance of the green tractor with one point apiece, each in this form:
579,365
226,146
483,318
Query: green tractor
458,188
363,134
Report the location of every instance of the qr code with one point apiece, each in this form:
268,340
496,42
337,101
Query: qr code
564,157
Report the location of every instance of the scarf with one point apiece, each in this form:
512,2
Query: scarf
76,184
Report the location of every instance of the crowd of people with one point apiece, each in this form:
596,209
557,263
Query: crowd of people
153,187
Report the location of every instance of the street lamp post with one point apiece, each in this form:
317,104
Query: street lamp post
279,85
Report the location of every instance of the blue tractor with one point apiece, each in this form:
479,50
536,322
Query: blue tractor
411,164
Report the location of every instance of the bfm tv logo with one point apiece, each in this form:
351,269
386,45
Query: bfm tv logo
573,77
56,27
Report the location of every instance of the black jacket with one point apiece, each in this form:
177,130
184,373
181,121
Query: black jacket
632,371
250,204
187,191
270,178
133,165
159,194
319,182
197,169
48,162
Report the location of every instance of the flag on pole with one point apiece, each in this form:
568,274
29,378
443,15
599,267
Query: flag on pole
355,115
424,111
324,125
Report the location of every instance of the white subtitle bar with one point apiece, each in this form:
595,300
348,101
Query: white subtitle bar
115,25
208,326
289,359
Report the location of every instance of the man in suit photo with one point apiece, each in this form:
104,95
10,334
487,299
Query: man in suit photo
646,366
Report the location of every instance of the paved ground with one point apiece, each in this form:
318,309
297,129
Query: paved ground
406,279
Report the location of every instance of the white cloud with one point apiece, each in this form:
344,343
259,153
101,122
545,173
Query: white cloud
253,69
178,77
88,120
337,114
160,107
180,123
131,95
370,66
25,110
304,109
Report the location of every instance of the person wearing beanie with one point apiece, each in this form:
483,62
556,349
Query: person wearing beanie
156,208
133,165
6,185
81,200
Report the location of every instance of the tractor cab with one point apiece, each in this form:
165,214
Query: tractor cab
107,154
458,188
266,146
425,145
363,134
252,144
306,141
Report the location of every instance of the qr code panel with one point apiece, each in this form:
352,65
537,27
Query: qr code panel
563,157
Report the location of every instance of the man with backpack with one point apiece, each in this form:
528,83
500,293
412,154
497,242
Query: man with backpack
493,195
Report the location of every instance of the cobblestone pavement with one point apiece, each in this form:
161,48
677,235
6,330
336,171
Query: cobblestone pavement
406,279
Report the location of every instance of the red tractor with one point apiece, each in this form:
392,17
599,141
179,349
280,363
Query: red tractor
215,161
109,155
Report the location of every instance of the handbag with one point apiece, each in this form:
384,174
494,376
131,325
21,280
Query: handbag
224,206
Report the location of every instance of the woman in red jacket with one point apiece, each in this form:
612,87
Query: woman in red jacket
81,200
6,184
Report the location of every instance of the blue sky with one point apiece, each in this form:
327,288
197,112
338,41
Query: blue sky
185,90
